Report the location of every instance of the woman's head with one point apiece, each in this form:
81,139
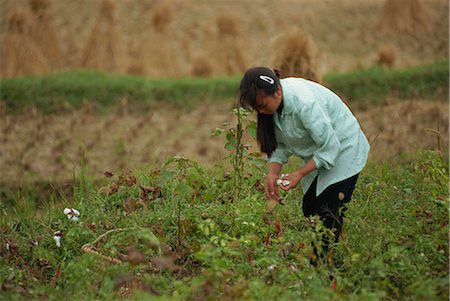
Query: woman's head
260,89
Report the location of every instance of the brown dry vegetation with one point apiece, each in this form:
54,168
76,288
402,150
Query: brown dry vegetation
102,48
36,146
405,16
296,55
18,54
181,38
44,34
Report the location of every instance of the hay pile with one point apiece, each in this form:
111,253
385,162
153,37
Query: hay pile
296,55
223,49
102,50
19,55
160,51
404,16
386,56
44,34
230,51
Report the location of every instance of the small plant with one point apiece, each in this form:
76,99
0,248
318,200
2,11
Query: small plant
240,150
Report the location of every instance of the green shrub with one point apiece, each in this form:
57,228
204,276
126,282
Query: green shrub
197,244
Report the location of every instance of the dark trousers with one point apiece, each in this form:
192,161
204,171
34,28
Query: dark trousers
329,205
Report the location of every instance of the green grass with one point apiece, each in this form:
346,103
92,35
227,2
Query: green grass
197,245
374,84
72,89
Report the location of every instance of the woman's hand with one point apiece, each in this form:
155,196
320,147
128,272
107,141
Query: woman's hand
293,179
271,188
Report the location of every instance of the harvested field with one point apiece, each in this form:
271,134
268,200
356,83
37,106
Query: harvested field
211,34
37,146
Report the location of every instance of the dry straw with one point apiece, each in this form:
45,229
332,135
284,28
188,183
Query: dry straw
19,55
162,15
44,33
102,50
224,50
201,65
404,16
161,53
231,52
386,56
296,55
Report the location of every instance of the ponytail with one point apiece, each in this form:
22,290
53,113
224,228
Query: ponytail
265,134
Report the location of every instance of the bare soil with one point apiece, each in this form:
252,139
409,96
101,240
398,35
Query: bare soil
49,147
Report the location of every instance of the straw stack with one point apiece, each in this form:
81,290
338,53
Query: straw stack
404,16
102,50
296,55
19,55
44,34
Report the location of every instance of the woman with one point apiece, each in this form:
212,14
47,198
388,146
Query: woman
302,118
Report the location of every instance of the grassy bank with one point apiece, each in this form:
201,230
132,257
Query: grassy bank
71,89
183,239
373,85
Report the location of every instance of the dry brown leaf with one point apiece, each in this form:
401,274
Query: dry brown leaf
108,174
145,190
271,205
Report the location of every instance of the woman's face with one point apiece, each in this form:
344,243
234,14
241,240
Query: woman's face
268,104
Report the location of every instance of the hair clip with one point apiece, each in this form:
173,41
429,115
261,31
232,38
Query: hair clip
267,79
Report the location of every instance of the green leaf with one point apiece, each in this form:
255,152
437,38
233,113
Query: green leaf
251,129
229,147
217,132
231,142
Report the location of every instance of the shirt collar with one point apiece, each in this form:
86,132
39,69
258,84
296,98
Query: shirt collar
288,104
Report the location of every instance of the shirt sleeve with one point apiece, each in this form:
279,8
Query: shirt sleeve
318,124
280,155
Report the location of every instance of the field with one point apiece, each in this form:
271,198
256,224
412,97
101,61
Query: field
125,111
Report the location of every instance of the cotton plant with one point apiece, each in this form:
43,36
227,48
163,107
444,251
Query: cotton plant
57,237
72,213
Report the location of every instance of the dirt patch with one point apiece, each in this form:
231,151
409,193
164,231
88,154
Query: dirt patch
36,146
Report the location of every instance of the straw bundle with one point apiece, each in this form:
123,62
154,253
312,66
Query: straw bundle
201,65
162,16
404,16
19,55
161,56
228,48
295,55
386,56
44,34
101,51
161,50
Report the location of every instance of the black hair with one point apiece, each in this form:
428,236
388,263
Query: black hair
260,81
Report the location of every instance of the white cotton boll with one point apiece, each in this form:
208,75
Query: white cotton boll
76,212
74,218
67,211
285,183
282,182
57,240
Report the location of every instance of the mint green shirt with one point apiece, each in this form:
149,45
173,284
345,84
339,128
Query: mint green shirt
316,124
